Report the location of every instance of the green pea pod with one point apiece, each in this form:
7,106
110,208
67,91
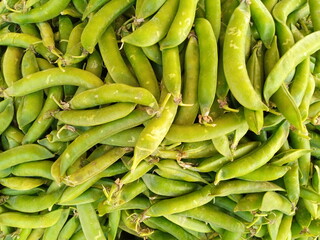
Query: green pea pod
250,161
160,185
267,172
6,114
53,77
208,57
307,98
110,93
214,216
296,54
142,69
288,156
274,201
89,222
91,34
33,169
241,186
135,203
30,28
22,154
69,228
171,169
285,227
188,114
148,8
213,14
94,63
41,13
199,132
222,145
47,37
250,202
102,115
302,215
65,28
264,22
11,65
152,32
153,53
127,138
275,218
44,119
32,204
154,132
181,24
189,223
164,224
234,59
22,183
113,223
53,231
92,6
13,192
25,41
92,137
95,167
36,234
182,203
316,178
89,196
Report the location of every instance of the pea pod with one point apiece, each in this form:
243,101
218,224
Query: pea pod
6,114
53,231
22,183
264,153
33,169
181,24
234,59
22,154
23,220
147,8
112,10
110,93
296,54
155,31
42,13
53,77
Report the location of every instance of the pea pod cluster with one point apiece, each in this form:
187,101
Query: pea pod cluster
167,119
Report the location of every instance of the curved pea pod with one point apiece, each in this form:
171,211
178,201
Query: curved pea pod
95,167
154,132
24,40
234,60
268,172
288,156
11,65
159,185
171,169
256,158
307,98
69,228
148,8
153,53
89,196
92,6
33,169
32,204
214,216
138,202
22,154
22,183
302,215
110,93
199,132
274,219
164,224
11,137
275,201
155,31
189,223
53,231
65,28
127,138
208,70
296,54
250,202
112,10
241,186
13,192
54,77
181,24
142,69
93,117
309,194
41,13
113,60
6,114
179,204
316,178
264,21
24,220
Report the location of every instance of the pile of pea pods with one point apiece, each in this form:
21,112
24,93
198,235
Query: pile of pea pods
159,119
